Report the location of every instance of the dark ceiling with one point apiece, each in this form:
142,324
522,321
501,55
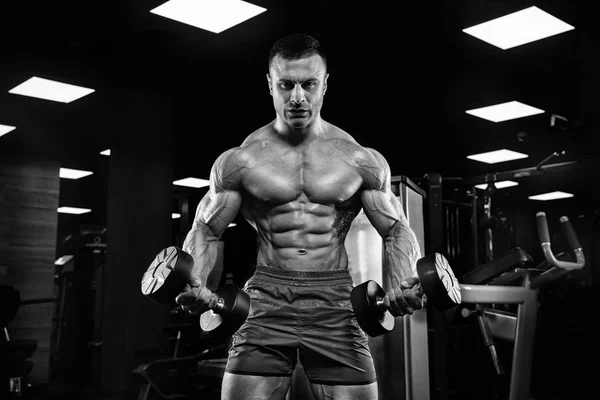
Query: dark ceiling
401,77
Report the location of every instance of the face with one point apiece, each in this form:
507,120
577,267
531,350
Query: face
297,87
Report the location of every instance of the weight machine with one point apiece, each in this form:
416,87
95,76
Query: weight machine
512,280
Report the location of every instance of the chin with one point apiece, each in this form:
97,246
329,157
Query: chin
298,124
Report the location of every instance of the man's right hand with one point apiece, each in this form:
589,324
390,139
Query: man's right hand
196,298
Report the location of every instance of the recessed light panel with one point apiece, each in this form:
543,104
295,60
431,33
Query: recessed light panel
192,182
211,15
50,90
499,185
505,111
497,156
4,129
68,173
73,210
512,30
551,196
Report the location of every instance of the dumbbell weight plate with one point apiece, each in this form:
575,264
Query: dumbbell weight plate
371,318
438,282
167,275
231,312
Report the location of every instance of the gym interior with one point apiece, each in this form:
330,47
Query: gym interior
166,98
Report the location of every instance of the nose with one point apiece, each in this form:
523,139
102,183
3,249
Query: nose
297,95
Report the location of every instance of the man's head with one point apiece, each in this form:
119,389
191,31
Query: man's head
296,46
297,79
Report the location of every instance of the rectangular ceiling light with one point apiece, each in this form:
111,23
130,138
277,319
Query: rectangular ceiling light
68,173
73,210
505,111
62,260
551,196
192,182
175,215
4,129
211,15
516,29
499,185
105,152
50,90
497,156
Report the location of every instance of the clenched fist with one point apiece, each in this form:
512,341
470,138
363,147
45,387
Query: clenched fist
196,298
406,298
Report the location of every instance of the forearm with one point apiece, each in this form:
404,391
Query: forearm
201,244
401,253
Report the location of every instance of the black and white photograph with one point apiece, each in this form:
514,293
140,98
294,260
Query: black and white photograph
299,200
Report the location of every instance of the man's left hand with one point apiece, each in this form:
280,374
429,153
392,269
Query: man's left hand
404,299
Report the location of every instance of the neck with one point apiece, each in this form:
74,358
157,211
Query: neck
299,135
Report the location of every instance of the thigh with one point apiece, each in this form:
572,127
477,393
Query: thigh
340,392
335,350
252,387
265,345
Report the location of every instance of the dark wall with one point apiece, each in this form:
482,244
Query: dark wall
28,223
139,226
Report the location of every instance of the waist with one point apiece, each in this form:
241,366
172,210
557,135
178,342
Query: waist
338,277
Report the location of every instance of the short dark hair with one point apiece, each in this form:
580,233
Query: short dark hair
295,46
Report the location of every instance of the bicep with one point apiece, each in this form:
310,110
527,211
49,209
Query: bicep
383,209
223,200
381,206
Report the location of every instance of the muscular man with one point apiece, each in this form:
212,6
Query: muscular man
300,181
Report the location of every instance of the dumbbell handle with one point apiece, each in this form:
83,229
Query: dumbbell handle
379,301
220,304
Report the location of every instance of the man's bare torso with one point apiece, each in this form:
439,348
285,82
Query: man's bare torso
302,198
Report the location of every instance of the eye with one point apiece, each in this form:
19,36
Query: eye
285,85
309,85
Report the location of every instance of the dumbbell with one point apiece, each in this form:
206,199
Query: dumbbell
437,281
167,276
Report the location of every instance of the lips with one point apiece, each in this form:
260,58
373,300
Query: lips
298,111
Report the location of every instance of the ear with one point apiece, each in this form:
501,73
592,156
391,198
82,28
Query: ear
270,84
325,83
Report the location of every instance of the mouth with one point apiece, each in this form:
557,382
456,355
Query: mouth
298,112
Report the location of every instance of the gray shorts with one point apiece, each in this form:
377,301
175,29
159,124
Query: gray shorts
302,314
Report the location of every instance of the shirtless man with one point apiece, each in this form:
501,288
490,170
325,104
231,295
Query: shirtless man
300,181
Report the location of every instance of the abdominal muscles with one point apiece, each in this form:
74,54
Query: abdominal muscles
304,237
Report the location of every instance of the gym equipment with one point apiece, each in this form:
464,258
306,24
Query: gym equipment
510,281
168,274
518,327
178,378
371,314
229,314
437,281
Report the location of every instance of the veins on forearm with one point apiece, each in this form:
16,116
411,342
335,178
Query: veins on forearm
203,250
401,252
